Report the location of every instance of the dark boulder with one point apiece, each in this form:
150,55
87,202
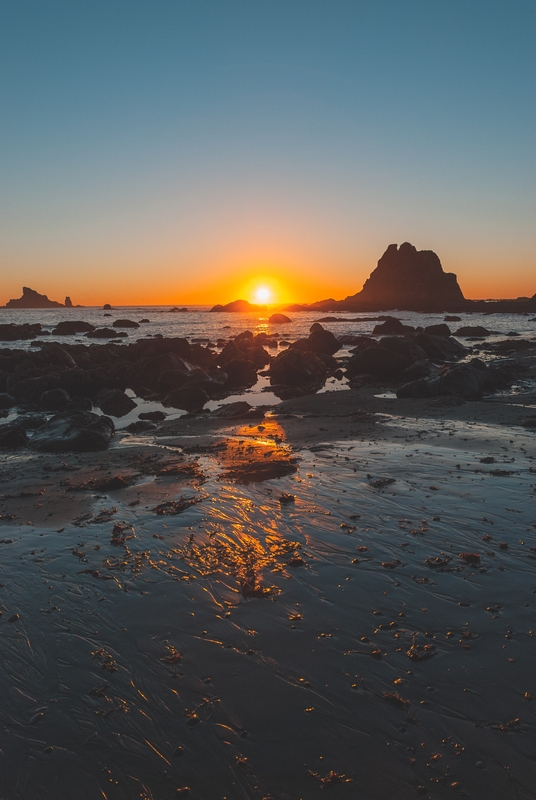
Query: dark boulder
115,402
153,416
80,404
12,436
452,318
438,330
78,432
54,400
71,327
378,362
79,382
28,390
392,325
319,341
240,374
10,332
244,348
105,333
439,348
140,426
125,323
404,346
278,319
191,397
294,367
465,380
54,353
7,401
472,330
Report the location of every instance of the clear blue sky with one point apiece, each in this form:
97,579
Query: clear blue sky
165,149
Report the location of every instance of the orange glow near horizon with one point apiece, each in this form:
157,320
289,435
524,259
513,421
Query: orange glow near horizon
294,277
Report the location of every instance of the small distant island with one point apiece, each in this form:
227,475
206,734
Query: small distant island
239,305
32,299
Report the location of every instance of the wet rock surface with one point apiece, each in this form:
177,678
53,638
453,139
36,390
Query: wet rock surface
77,432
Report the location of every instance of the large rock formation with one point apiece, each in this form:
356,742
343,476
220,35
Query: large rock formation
32,299
408,278
405,278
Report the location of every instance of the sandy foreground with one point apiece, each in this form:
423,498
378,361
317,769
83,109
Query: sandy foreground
360,627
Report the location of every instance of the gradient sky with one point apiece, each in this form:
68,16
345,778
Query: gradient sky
179,151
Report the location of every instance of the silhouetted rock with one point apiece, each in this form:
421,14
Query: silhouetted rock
379,362
438,330
472,330
107,307
440,348
392,325
11,332
191,397
176,310
409,278
140,426
125,323
115,402
105,333
68,303
319,341
244,348
71,327
278,319
469,381
240,373
80,383
240,306
32,299
12,436
452,318
153,416
294,367
7,401
79,432
54,400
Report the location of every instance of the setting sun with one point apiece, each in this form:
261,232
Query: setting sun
262,294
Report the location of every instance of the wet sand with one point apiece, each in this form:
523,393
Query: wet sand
362,625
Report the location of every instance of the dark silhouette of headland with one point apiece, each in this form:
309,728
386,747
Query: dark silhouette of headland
408,279
32,299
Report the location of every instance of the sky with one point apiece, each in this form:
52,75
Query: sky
190,151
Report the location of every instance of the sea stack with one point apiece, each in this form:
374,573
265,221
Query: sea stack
32,299
411,279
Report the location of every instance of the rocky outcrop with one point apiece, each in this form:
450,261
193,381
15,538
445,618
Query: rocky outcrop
72,327
80,432
32,299
297,368
467,381
239,305
408,278
11,332
320,341
279,319
405,278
